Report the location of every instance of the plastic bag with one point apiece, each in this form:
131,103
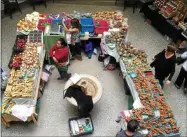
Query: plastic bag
4,79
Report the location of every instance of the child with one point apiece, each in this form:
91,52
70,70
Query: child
75,46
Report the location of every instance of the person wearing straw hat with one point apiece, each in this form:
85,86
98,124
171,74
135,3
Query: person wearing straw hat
164,64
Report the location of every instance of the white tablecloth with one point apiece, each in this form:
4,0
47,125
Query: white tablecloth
130,83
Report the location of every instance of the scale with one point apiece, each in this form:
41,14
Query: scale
54,29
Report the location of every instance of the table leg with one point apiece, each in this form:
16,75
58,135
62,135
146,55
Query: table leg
6,124
34,118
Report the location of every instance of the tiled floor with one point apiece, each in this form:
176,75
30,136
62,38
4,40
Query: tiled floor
55,111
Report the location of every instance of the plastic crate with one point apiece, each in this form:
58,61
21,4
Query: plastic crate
87,25
57,21
81,134
24,37
42,28
103,26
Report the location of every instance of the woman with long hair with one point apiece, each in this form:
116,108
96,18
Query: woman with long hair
75,46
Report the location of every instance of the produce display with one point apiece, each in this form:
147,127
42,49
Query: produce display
7,105
105,15
16,61
20,42
26,25
133,58
18,87
153,100
30,56
22,81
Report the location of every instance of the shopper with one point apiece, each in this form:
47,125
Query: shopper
75,46
183,74
164,64
182,47
131,131
60,55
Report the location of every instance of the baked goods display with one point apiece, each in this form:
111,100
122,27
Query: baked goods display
160,3
170,9
181,14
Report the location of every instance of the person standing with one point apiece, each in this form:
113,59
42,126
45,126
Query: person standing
182,47
75,46
60,55
164,64
131,131
182,77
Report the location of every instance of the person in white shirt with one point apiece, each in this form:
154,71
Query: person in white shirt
183,74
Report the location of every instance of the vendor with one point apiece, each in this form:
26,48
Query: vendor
75,46
164,64
131,131
60,55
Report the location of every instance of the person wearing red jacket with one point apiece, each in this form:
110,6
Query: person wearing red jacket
60,55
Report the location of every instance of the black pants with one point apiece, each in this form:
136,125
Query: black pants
161,80
75,49
182,78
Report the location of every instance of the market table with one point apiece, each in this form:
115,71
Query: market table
7,118
162,24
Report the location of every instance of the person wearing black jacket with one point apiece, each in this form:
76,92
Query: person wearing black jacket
164,64
84,101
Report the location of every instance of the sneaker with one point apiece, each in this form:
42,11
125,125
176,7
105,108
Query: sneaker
176,86
185,90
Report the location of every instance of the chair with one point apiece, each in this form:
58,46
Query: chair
125,4
9,7
34,2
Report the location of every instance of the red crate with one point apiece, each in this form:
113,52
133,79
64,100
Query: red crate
103,26
42,28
